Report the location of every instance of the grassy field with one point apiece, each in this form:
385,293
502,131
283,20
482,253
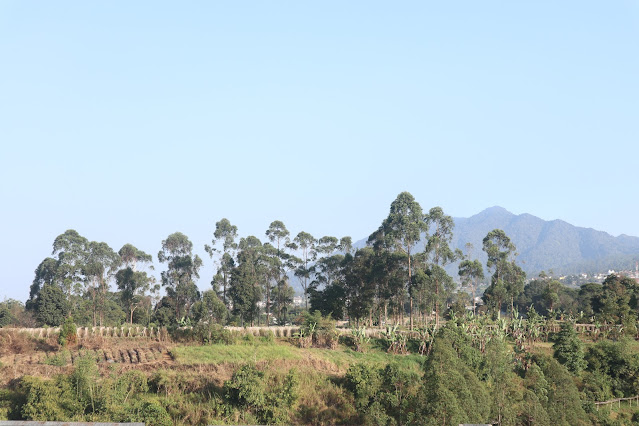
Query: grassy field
238,353
337,360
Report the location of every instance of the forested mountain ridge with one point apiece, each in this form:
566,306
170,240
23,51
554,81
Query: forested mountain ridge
546,245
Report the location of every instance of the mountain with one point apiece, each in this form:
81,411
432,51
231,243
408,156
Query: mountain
546,245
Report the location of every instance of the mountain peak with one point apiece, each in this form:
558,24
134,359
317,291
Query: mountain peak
495,209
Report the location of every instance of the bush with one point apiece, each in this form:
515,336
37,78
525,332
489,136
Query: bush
246,387
52,400
68,333
268,398
267,336
152,414
320,329
60,359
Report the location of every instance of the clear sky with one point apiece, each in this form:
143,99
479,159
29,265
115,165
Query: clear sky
128,121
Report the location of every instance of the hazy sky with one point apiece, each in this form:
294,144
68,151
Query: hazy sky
128,121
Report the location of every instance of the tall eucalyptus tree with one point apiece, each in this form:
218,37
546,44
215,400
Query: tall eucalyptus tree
439,254
70,249
182,269
226,234
246,289
508,279
401,231
100,265
470,272
306,244
133,283
280,240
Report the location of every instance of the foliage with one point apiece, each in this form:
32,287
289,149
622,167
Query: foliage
569,349
360,338
320,329
60,359
51,305
268,398
182,270
451,393
613,370
68,333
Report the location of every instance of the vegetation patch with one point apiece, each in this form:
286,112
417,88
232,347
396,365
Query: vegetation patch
239,353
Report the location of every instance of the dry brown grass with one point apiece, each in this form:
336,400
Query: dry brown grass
14,342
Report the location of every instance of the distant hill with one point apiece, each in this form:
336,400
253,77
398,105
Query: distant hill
547,245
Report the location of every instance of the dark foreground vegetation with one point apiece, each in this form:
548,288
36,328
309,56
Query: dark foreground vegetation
417,350
471,370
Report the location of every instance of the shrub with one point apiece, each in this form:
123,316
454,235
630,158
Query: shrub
48,399
246,387
205,333
267,336
85,381
269,398
153,414
60,359
364,382
68,333
320,329
569,349
42,400
360,338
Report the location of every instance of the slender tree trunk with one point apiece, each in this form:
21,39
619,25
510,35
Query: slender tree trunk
436,304
268,304
224,288
385,313
410,294
473,290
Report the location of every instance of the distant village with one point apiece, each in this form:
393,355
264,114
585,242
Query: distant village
583,278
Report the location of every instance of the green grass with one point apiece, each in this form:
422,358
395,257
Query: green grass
342,357
238,353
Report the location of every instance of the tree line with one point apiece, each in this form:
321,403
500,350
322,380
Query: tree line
387,281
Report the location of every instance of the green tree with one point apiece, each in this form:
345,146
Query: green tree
133,284
99,265
439,254
211,308
182,270
508,279
564,405
51,305
568,348
617,302
227,235
246,279
451,393
471,272
401,231
279,237
70,249
305,243
360,290
45,273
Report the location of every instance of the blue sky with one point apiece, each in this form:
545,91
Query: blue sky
128,121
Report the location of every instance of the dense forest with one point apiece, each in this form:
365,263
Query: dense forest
418,348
